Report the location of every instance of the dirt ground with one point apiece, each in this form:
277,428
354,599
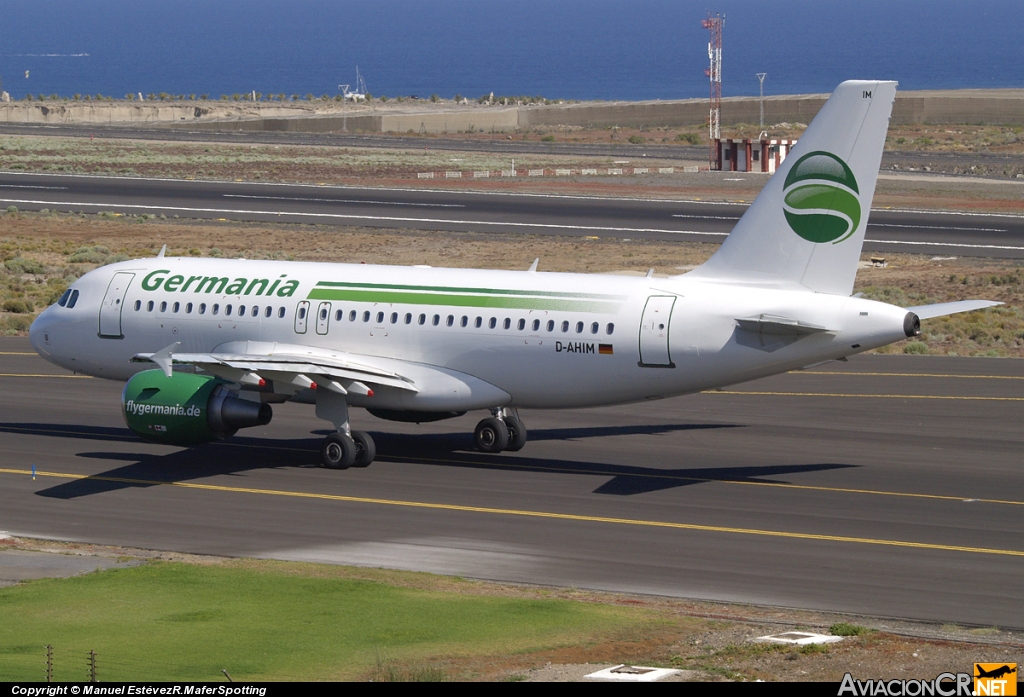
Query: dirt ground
710,641
1001,192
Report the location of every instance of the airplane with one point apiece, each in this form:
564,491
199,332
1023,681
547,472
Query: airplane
994,673
229,338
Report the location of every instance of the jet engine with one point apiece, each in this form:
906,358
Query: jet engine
187,409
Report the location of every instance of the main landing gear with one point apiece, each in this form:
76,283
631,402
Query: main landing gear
503,431
340,451
346,448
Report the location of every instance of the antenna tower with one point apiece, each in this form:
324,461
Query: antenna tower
714,24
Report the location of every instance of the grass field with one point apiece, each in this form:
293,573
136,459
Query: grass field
275,621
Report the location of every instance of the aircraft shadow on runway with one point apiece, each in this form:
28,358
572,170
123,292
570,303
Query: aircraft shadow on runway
438,449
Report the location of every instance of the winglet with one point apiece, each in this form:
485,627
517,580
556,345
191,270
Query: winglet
533,266
163,357
163,250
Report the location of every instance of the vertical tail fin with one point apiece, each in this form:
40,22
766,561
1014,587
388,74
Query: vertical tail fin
807,225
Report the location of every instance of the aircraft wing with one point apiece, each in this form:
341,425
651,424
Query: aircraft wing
942,309
337,371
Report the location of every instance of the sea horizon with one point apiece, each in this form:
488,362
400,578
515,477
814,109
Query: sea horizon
567,49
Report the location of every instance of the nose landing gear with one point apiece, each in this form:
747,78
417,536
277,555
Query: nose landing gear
503,431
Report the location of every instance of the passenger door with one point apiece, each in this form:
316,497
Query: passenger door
113,302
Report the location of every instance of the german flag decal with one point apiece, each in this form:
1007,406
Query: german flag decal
605,349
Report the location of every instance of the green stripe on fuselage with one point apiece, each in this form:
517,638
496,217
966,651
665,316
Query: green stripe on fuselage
458,300
485,291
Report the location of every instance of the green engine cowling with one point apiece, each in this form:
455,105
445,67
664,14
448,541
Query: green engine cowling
187,409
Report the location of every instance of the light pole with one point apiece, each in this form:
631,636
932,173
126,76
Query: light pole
760,78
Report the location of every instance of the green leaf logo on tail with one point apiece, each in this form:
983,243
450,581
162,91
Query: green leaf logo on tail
820,199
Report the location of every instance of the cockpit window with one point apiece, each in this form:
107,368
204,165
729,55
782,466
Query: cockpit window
73,299
64,298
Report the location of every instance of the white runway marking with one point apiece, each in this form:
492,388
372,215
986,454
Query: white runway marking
706,217
947,244
387,218
30,186
449,221
346,200
937,227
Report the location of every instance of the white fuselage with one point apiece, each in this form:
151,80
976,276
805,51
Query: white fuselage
543,340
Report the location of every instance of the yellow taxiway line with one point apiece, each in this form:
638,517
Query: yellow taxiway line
536,514
44,375
907,375
500,465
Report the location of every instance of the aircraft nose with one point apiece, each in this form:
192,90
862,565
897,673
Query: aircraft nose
39,332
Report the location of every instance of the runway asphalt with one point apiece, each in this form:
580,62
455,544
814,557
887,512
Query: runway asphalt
888,485
962,234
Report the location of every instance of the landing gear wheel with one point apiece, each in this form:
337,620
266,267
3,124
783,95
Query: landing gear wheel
516,435
491,435
337,452
366,449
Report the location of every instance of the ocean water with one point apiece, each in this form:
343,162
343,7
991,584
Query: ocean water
568,49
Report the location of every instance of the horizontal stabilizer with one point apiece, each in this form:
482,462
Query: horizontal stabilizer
943,309
781,326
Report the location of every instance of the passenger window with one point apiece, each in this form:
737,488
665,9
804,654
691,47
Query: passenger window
479,322
464,321
536,324
149,306
73,299
408,318
366,316
493,323
268,312
609,329
138,303
175,307
323,313
507,323
202,308
338,315
241,311
380,318
394,318
521,325
216,308
422,319
352,316
302,312
551,325
594,328
565,326
450,321
188,309
256,311
437,320
67,294
163,305
280,312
